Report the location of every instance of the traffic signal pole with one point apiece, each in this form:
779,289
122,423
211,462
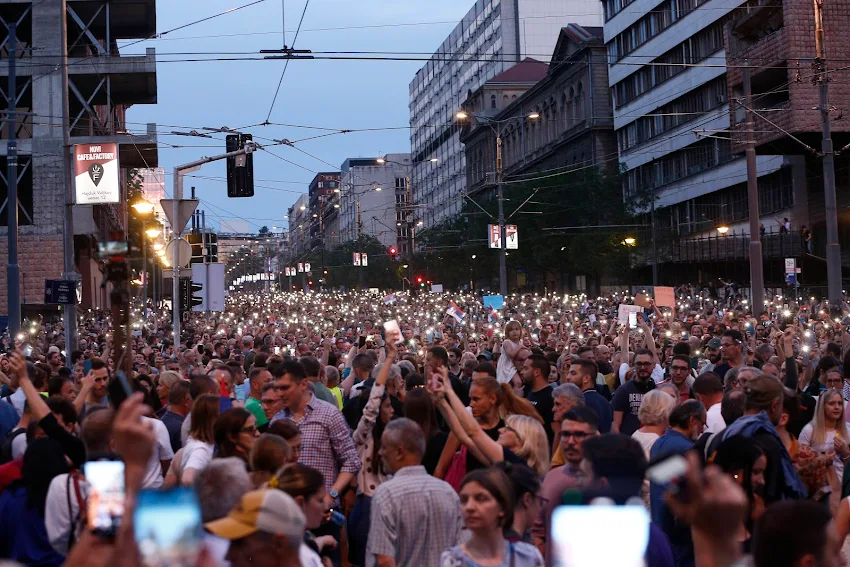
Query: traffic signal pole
179,172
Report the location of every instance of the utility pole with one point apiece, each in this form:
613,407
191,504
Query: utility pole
756,261
359,231
408,197
654,249
69,315
13,270
503,270
833,249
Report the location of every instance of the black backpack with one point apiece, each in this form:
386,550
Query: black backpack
6,448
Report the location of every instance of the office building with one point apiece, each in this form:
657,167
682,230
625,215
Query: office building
491,37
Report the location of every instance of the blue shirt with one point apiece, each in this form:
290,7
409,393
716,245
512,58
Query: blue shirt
23,536
671,443
8,418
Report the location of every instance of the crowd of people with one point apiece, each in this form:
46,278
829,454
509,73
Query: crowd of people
427,429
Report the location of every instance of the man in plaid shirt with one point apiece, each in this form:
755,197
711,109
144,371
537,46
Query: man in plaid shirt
326,443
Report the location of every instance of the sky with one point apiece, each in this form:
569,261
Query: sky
328,94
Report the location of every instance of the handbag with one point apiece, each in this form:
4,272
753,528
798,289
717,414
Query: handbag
457,470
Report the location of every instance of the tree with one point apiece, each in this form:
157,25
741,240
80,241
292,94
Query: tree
264,230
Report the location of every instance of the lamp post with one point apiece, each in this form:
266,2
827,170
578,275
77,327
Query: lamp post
500,196
144,209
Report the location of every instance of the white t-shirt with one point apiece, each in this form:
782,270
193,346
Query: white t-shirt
18,399
161,452
646,440
806,439
714,421
19,445
308,557
505,369
58,517
196,455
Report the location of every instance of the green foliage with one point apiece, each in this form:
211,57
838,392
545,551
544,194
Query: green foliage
264,230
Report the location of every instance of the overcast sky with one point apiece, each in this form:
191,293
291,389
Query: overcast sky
329,94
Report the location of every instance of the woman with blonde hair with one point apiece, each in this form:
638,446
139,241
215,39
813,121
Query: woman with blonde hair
828,435
654,412
521,440
166,380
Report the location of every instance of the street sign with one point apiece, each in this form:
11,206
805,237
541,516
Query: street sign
96,174
184,252
494,236
60,292
184,212
511,237
790,265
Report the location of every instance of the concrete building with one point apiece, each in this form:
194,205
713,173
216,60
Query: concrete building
369,201
492,37
299,226
101,86
322,188
671,104
571,100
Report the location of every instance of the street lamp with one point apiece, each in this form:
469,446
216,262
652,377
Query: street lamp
153,232
143,207
158,248
723,229
629,241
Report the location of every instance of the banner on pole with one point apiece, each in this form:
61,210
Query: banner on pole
494,236
511,237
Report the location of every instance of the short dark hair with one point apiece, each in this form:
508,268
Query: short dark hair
54,385
790,530
541,363
682,347
202,384
583,349
295,371
487,368
583,414
441,354
588,367
735,334
98,364
178,392
363,362
312,367
456,351
64,408
285,428
255,373
833,349
681,358
644,352
707,384
682,414
732,406
615,456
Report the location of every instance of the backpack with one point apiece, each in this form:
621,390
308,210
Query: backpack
6,448
72,482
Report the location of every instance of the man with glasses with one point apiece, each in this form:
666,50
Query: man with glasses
687,422
579,424
732,351
680,369
628,397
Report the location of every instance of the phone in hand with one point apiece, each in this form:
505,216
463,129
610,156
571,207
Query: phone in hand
632,320
391,329
106,496
576,540
167,527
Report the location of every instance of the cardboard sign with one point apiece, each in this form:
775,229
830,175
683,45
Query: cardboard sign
494,301
642,300
624,310
665,297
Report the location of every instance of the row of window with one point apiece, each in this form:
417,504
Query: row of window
677,165
656,21
673,114
691,51
613,7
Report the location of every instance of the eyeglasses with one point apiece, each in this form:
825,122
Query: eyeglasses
577,435
679,369
643,363
267,402
250,429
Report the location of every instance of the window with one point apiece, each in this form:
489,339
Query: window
493,101
677,165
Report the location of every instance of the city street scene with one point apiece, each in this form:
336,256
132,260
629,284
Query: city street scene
456,283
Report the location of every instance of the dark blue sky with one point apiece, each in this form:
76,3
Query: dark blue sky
329,94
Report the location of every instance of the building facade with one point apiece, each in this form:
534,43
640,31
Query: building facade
570,100
300,220
369,202
671,103
493,36
102,84
322,188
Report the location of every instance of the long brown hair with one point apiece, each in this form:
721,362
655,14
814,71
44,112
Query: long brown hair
419,407
228,426
507,402
204,413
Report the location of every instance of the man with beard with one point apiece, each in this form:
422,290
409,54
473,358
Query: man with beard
712,354
626,400
687,422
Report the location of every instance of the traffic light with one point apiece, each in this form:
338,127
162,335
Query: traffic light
212,247
393,252
185,293
196,240
240,169
196,299
420,281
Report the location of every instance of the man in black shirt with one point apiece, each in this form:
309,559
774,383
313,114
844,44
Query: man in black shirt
626,400
535,378
583,375
732,351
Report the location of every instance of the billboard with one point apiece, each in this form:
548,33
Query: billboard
96,174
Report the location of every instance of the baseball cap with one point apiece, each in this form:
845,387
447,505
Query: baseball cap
762,389
485,354
270,511
713,343
53,349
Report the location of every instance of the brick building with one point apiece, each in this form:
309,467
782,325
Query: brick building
102,85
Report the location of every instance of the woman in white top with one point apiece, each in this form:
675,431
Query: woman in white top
197,453
653,414
828,435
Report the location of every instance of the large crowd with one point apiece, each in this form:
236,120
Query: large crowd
434,429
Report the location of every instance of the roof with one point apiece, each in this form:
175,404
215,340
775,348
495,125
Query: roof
526,71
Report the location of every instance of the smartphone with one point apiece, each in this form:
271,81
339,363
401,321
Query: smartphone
361,342
645,318
575,539
277,350
106,496
27,351
632,320
392,328
167,527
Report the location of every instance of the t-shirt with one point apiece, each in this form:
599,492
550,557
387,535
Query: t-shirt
597,402
173,422
627,399
337,392
321,391
196,455
544,403
161,452
471,462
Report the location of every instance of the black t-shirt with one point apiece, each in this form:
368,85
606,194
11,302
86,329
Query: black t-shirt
597,402
627,399
544,404
471,462
433,450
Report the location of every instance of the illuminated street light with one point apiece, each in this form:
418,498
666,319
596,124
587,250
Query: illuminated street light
143,207
723,229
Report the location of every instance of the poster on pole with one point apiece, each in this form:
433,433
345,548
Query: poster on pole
307,266
96,174
511,237
494,236
286,271
364,259
300,267
357,258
